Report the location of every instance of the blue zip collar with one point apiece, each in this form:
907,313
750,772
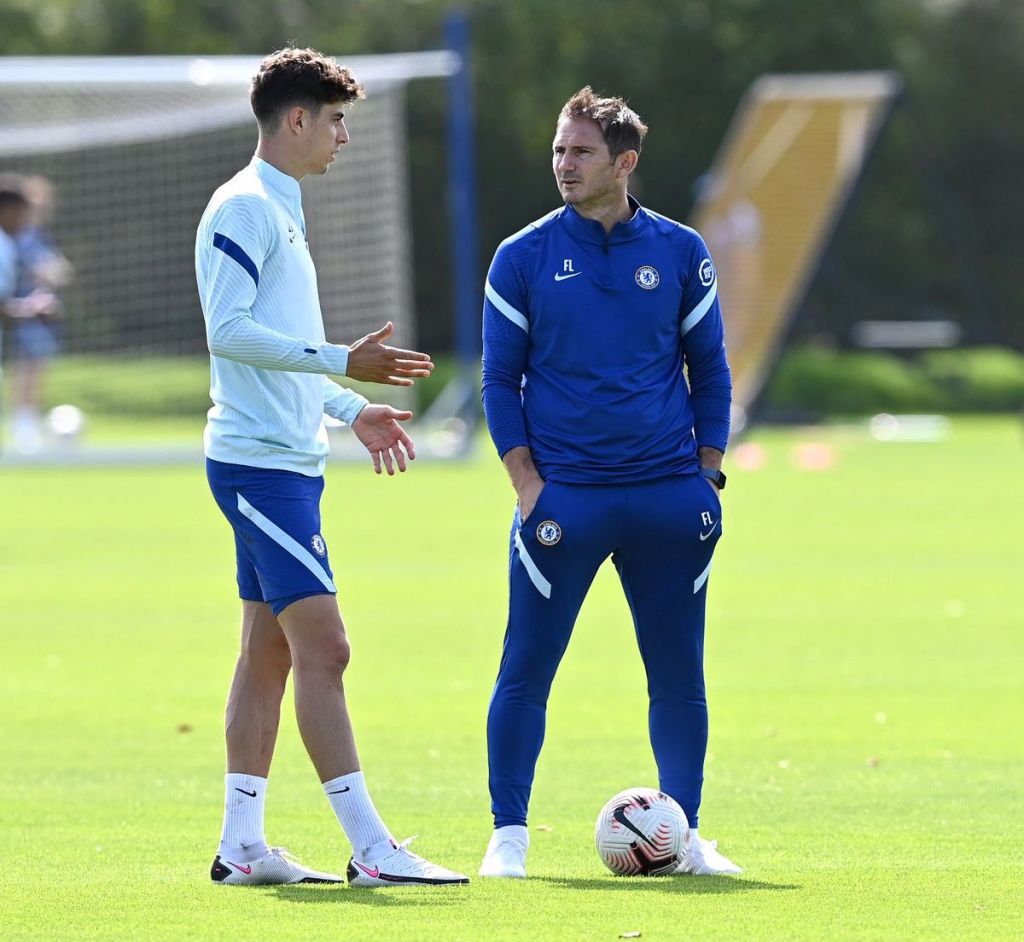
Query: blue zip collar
591,231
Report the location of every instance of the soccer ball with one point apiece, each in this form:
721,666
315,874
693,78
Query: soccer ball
641,832
65,423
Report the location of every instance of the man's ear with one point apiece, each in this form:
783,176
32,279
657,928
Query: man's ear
626,163
296,119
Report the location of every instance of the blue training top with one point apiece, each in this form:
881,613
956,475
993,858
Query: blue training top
585,337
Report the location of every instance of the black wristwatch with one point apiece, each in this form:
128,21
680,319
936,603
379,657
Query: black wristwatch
716,475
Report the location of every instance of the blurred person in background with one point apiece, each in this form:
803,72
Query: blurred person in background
19,308
14,215
35,311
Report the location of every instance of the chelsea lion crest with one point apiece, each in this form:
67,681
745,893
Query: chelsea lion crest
548,533
318,544
647,277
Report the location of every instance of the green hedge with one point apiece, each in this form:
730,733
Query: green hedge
829,382
808,380
989,379
150,386
140,387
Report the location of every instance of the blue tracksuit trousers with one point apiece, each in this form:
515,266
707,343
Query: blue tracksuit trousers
661,535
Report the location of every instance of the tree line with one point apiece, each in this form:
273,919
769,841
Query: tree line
934,229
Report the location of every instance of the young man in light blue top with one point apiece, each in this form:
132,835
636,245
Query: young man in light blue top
265,446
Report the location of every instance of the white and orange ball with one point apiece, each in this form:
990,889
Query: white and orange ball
641,832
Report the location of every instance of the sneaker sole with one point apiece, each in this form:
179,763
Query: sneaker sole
388,880
221,876
293,883
358,879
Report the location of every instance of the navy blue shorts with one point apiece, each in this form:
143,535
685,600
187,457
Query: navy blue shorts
34,339
280,552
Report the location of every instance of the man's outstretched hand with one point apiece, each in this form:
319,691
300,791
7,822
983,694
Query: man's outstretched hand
369,361
378,429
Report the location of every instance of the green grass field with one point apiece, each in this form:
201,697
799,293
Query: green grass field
865,671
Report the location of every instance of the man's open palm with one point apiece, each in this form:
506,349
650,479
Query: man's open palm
378,429
370,361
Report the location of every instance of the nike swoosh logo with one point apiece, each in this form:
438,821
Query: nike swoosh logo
561,277
245,870
375,872
251,794
341,791
704,536
619,814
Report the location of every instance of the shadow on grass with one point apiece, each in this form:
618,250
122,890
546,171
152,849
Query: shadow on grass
383,896
455,896
682,886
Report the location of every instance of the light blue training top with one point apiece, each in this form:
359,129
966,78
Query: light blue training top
265,330
8,265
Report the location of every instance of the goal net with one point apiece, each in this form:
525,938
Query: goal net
134,148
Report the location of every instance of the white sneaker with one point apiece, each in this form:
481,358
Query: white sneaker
401,865
703,859
25,435
506,852
278,866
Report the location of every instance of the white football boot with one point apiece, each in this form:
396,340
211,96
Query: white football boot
506,852
277,867
400,865
703,859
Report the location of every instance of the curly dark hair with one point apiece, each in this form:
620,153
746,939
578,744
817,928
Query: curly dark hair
305,77
621,125
12,190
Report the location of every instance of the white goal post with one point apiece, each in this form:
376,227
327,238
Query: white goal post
134,146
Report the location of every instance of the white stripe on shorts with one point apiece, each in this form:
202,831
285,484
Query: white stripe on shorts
536,576
289,545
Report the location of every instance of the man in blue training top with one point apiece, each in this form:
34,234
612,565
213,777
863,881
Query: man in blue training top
265,446
590,315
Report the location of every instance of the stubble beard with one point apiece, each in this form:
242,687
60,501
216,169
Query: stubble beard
574,196
588,202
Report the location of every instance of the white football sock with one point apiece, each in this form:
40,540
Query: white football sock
242,837
513,832
357,815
